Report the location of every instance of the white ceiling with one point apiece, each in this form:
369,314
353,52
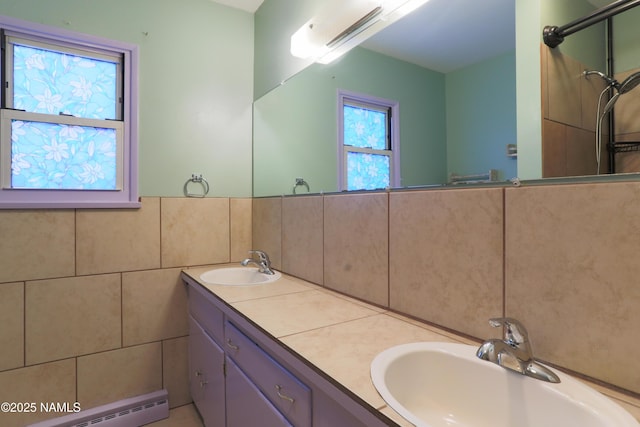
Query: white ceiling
248,5
443,35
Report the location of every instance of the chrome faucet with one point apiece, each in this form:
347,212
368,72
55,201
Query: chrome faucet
263,262
514,351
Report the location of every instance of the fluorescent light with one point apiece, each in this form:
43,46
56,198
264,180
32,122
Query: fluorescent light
342,25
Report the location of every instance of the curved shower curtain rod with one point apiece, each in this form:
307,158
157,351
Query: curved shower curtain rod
553,35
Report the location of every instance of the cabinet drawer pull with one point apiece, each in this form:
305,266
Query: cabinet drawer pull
283,396
231,345
198,373
203,383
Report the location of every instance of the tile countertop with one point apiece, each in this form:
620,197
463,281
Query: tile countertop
318,319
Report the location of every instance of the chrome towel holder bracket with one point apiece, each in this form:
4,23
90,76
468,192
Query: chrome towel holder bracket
198,179
300,182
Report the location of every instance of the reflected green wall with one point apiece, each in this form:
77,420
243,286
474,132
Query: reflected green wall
588,45
481,117
297,127
195,83
626,39
275,22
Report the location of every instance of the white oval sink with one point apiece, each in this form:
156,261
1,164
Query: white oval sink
435,384
238,276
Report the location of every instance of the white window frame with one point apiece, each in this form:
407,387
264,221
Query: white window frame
126,193
348,97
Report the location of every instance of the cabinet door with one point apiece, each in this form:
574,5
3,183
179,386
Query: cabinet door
246,405
206,376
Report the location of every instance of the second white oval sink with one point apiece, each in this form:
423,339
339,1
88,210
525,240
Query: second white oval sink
237,276
435,384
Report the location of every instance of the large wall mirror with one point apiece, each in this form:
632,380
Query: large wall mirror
457,100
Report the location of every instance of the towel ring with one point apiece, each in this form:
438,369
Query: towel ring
198,179
300,182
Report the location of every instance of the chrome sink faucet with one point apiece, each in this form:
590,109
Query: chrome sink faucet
514,351
263,262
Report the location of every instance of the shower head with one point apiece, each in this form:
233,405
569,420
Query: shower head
627,85
603,76
610,104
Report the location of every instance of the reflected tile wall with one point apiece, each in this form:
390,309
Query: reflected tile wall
356,245
628,162
564,82
569,101
572,276
302,237
627,108
446,257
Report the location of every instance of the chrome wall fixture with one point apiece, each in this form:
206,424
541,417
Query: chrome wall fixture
198,179
300,182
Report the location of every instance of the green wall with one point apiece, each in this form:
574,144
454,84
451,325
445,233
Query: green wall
481,117
195,83
626,39
296,125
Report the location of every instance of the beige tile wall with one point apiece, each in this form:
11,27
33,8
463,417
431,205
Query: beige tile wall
356,245
446,257
267,228
560,258
92,309
302,237
572,276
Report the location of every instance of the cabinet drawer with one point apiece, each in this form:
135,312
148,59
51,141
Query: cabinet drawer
246,405
283,389
203,310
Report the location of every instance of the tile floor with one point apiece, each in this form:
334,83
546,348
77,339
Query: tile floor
182,416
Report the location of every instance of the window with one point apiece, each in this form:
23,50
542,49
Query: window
368,143
67,134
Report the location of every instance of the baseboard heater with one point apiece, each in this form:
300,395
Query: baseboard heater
135,411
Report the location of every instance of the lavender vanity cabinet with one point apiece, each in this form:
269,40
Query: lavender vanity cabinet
265,383
281,388
206,370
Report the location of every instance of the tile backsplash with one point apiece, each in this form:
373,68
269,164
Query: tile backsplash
558,257
92,308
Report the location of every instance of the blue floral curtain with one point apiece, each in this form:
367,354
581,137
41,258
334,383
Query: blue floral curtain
367,171
366,128
60,156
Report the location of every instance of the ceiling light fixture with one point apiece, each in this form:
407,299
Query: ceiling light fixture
341,25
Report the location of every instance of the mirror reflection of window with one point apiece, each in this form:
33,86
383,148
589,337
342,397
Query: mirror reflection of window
368,145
